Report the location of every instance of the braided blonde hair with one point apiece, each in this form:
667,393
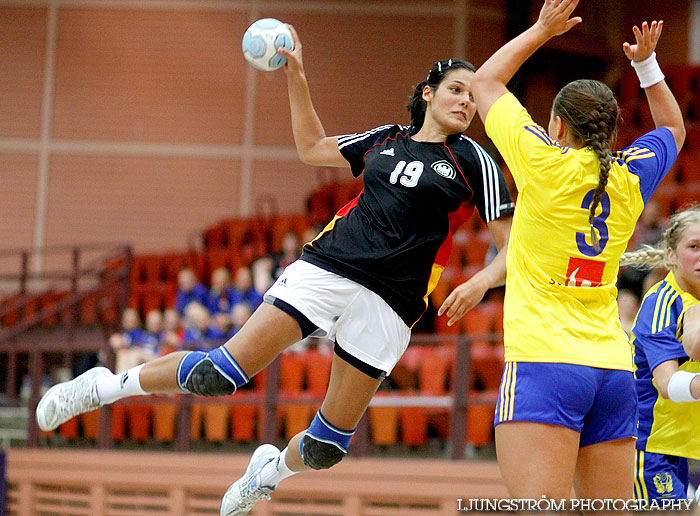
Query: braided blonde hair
648,257
590,110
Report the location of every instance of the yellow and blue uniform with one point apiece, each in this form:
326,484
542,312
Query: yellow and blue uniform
667,430
560,304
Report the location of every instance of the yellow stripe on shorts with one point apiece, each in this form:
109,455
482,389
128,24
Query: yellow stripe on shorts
640,486
504,390
512,391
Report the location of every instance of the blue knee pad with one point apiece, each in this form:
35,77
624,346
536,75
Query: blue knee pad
324,445
214,373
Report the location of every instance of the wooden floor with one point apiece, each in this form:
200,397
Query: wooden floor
124,483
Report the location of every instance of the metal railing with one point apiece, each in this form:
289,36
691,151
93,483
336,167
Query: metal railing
114,282
76,281
456,401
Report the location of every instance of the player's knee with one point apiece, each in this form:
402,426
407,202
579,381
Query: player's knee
215,373
323,445
320,455
206,380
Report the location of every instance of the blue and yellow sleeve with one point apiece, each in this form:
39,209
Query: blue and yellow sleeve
649,157
655,327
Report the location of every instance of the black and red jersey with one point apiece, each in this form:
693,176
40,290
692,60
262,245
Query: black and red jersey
396,236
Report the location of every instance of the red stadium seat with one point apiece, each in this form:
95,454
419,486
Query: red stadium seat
478,323
11,317
434,371
69,429
384,424
318,370
216,418
174,263
480,425
234,232
414,426
88,309
296,417
47,301
214,237
224,257
477,248
196,421
487,365
90,422
164,419
291,372
243,419
139,417
297,223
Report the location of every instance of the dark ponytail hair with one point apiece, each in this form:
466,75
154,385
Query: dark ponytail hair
591,112
416,106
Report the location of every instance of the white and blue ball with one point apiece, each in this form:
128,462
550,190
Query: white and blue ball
261,41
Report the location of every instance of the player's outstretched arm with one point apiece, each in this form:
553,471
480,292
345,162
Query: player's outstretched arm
663,105
313,146
489,82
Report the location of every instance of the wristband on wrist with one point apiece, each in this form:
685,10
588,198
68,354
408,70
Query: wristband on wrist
679,386
648,71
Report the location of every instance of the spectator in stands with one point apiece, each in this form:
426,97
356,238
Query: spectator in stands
240,313
189,290
650,227
567,407
221,296
200,330
173,332
666,345
244,291
652,278
153,333
130,329
291,250
132,345
263,275
627,306
649,231
363,282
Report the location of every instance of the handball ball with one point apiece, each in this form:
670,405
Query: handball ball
261,41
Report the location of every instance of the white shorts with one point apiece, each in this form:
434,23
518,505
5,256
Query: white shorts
361,323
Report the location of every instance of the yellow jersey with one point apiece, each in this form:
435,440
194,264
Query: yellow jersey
560,303
665,426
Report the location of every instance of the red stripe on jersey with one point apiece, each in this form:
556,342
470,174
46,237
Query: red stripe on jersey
382,143
349,206
456,219
460,170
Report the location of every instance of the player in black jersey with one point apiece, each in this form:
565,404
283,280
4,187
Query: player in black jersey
363,281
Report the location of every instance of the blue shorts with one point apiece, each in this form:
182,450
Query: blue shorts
600,404
660,476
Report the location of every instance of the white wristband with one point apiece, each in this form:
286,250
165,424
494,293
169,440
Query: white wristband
648,71
679,386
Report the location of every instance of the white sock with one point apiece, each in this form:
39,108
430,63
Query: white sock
276,470
118,386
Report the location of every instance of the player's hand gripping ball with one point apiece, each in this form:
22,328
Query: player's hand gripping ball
261,41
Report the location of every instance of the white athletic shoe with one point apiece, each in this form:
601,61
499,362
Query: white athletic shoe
247,490
66,400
